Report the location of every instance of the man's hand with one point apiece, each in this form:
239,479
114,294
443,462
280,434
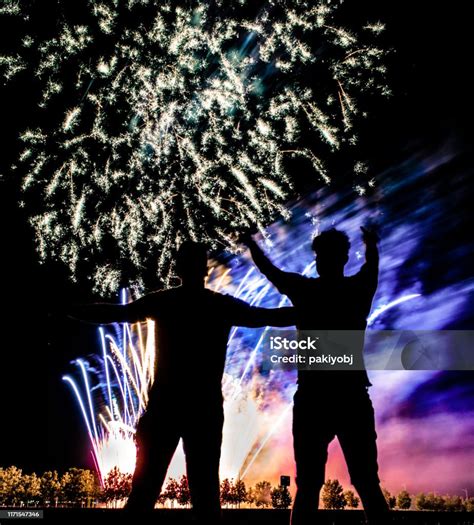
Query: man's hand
369,236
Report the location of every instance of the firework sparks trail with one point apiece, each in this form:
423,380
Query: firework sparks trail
127,373
383,308
126,391
160,122
265,440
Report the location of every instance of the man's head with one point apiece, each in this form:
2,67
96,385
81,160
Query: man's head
332,252
191,261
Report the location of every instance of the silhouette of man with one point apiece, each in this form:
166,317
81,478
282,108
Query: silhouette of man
332,403
192,327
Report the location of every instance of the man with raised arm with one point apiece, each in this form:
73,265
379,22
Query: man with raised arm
328,303
192,327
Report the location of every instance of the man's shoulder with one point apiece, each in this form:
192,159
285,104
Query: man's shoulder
363,276
300,283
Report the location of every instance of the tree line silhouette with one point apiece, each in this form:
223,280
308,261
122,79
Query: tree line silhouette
334,497
81,488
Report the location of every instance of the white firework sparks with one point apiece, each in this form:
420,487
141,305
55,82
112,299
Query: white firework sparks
163,121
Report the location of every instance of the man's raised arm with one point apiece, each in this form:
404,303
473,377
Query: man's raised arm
284,281
106,313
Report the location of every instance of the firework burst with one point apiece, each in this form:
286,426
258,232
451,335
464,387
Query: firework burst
163,120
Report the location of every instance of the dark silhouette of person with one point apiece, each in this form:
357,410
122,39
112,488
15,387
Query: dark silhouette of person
332,403
192,326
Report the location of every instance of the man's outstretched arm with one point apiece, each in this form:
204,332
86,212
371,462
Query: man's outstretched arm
106,313
282,280
254,317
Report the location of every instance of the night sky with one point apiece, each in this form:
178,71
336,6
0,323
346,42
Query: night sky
430,111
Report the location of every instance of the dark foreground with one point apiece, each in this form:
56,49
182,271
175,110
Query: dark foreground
242,517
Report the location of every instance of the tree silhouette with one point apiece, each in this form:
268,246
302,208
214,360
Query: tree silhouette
11,486
184,496
281,497
239,492
351,499
162,498
117,486
30,489
226,492
391,500
469,504
404,500
79,486
50,487
250,499
332,495
262,494
430,501
453,503
171,491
